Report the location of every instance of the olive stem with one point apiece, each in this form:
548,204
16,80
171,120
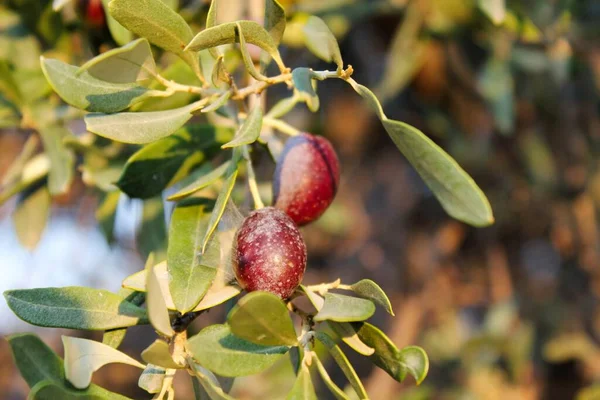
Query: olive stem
325,287
281,126
258,203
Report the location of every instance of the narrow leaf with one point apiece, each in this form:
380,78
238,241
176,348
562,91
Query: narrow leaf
416,361
218,103
454,188
344,364
282,107
114,337
333,388
321,42
347,333
158,354
274,20
368,289
139,127
262,318
386,352
210,384
83,357
31,216
304,88
130,63
157,22
74,307
214,297
49,390
303,388
34,359
249,131
200,183
157,307
342,308
191,271
227,34
218,350
118,32
88,93
248,62
152,378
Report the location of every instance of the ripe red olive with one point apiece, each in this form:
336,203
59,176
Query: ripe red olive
306,178
94,13
269,253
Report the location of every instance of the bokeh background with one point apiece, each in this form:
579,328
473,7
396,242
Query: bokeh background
509,88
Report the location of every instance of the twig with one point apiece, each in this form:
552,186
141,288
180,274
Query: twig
258,203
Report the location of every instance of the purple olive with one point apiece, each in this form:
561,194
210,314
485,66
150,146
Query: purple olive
269,253
306,178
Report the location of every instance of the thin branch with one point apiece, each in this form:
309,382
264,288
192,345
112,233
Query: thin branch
258,203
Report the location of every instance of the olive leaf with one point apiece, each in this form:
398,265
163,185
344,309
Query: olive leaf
210,384
333,388
368,289
340,308
321,42
74,307
262,318
140,127
303,388
157,22
201,182
347,333
249,131
83,357
151,380
158,354
130,63
223,353
31,216
157,307
118,32
61,158
114,337
85,92
50,390
303,84
246,55
458,194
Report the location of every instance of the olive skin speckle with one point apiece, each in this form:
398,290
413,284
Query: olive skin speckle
269,253
306,178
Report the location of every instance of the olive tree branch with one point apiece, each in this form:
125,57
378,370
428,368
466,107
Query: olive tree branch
258,203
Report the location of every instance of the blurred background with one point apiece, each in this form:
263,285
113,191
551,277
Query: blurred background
509,88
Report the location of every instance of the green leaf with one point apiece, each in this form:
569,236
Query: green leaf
140,127
34,359
218,350
333,388
248,62
83,357
262,318
344,364
49,390
342,308
249,131
453,187
295,359
114,337
396,363
118,32
157,22
218,103
191,271
219,74
210,384
217,296
222,199
302,78
316,300
151,236
368,289
321,42
201,182
152,378
158,354
303,388
130,63
160,164
31,216
33,171
61,158
274,20
227,34
347,333
282,107
74,307
157,307
88,93
106,214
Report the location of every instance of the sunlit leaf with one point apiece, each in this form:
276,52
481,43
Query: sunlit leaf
226,34
151,235
61,158
333,388
157,307
74,307
83,357
262,318
347,333
321,42
118,32
191,271
33,171
88,93
157,22
218,103
274,20
114,337
152,378
342,308
282,107
303,388
140,127
31,216
201,182
368,289
211,384
494,9
454,188
158,354
130,63
249,131
218,350
344,364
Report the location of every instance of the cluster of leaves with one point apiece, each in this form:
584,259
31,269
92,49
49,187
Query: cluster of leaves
126,97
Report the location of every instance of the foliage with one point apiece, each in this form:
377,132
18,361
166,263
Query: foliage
199,125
